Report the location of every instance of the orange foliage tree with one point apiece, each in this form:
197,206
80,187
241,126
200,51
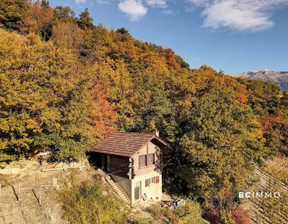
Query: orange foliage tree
38,20
102,113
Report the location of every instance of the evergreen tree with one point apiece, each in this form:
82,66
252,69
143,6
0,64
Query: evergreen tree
85,21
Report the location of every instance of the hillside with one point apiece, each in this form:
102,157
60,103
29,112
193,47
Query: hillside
73,182
31,177
279,78
66,83
271,178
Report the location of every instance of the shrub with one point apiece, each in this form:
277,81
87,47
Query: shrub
86,204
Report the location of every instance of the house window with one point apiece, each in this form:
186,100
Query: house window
152,180
146,160
142,161
151,159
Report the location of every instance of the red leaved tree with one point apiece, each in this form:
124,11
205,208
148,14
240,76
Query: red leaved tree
38,20
103,112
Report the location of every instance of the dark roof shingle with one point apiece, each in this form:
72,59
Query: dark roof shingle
125,143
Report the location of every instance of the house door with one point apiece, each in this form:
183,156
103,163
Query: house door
103,162
137,191
108,163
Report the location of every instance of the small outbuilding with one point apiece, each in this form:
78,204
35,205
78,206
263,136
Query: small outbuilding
134,162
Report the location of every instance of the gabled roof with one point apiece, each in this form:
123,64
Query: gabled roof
126,143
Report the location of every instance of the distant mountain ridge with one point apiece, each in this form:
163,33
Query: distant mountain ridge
279,78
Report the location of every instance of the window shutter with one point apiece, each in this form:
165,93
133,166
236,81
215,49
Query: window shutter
146,182
157,179
139,161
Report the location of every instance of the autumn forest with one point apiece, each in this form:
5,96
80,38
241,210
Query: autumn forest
65,83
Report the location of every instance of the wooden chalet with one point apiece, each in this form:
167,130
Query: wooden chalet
133,160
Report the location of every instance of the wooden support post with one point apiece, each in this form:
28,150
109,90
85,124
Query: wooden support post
0,193
40,196
18,191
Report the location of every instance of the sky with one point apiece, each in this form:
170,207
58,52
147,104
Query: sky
234,36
